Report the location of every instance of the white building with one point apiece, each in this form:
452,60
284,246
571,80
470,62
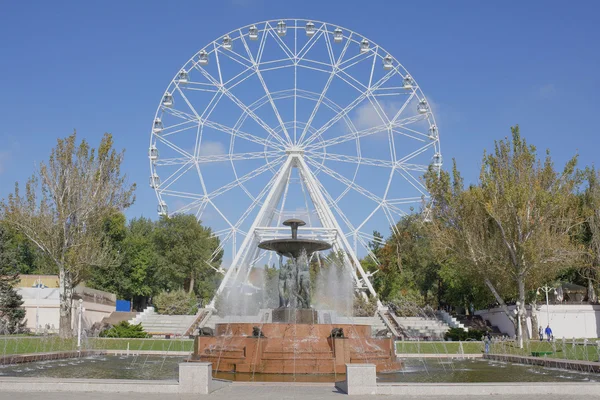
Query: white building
41,302
565,320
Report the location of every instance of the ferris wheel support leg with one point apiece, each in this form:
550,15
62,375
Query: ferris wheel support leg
328,220
248,248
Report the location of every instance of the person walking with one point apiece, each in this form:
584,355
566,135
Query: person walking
541,332
548,333
487,339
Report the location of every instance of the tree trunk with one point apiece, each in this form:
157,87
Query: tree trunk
65,329
521,308
191,288
592,298
535,326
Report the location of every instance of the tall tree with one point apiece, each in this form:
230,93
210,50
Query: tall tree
11,313
591,231
64,207
185,247
516,224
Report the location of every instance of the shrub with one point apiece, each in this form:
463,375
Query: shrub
177,302
125,330
459,334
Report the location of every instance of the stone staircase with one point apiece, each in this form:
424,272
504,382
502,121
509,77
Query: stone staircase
419,328
167,325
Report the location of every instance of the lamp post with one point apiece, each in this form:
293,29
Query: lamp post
519,327
546,289
79,325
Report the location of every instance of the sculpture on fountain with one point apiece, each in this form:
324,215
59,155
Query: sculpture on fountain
294,274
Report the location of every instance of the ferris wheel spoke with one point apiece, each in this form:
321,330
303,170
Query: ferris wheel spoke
332,74
237,57
183,195
362,133
356,160
267,92
219,212
180,114
415,153
174,147
175,176
178,128
414,182
359,227
256,201
333,204
245,178
352,82
237,156
167,162
280,42
356,59
404,200
348,108
242,106
309,44
240,134
339,177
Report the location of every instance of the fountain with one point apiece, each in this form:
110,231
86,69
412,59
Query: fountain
294,342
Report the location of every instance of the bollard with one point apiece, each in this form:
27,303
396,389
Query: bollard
195,377
361,379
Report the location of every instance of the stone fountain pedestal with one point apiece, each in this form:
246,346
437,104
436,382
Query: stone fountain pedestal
293,348
295,316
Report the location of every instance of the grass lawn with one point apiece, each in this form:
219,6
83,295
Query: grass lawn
591,352
578,352
411,347
28,344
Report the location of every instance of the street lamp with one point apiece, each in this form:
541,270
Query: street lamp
519,327
546,289
79,326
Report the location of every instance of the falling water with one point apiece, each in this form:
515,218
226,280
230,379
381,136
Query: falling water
334,289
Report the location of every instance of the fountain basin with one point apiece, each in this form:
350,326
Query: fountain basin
292,247
293,349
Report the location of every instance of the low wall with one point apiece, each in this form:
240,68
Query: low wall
42,307
583,366
56,355
565,320
194,378
361,380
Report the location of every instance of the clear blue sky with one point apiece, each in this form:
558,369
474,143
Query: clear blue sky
103,67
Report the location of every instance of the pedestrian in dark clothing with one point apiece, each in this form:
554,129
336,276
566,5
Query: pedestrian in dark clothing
548,333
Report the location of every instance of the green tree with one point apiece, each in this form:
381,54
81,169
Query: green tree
185,248
514,228
11,313
591,231
64,208
133,277
176,302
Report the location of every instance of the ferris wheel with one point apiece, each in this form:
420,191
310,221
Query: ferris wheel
292,118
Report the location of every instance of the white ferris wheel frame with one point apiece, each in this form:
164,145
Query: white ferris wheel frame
287,153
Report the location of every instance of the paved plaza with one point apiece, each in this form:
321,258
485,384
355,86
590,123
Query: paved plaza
250,392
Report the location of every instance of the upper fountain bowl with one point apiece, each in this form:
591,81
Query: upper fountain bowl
293,247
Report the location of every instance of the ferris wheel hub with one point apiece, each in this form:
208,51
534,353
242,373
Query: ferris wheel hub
294,150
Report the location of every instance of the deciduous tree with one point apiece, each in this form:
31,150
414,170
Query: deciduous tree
64,207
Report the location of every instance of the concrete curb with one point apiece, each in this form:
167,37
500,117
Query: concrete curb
56,355
361,380
194,378
576,365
